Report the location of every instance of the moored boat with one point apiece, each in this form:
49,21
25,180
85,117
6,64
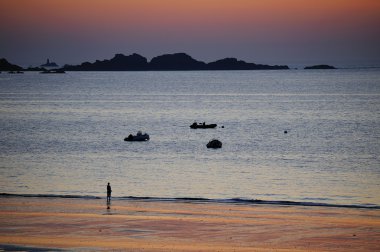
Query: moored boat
138,137
202,126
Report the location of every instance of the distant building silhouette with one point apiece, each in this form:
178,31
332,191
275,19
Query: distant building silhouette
49,64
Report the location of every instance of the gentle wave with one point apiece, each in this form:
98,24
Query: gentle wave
49,196
200,200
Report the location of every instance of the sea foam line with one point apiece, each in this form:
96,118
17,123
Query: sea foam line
241,201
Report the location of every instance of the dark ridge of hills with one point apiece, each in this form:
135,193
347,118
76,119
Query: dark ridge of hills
320,67
6,66
166,62
119,62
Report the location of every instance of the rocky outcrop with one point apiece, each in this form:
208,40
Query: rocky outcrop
6,66
320,67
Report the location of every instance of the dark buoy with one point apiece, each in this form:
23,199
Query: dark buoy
215,144
285,132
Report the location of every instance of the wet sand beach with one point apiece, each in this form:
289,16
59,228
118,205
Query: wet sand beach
138,225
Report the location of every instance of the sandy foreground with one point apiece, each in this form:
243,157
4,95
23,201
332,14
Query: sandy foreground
136,225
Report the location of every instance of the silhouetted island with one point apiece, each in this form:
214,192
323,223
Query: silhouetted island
320,67
166,62
6,66
136,62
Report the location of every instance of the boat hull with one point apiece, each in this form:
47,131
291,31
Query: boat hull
139,138
201,126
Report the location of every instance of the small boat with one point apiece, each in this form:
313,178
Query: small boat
138,137
215,144
202,126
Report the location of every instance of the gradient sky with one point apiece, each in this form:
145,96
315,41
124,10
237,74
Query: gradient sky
293,32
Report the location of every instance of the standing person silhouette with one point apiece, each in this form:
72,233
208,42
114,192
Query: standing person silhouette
109,190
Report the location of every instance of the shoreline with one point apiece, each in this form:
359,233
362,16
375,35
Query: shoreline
242,201
144,225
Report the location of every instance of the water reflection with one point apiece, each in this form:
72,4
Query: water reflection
108,207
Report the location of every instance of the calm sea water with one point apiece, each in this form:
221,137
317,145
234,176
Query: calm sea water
63,134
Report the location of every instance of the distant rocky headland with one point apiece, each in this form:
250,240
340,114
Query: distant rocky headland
6,66
166,62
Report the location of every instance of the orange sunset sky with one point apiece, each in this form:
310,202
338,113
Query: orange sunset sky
293,32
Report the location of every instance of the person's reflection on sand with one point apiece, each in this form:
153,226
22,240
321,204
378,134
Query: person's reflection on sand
108,206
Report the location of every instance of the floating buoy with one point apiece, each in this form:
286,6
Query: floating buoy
215,144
